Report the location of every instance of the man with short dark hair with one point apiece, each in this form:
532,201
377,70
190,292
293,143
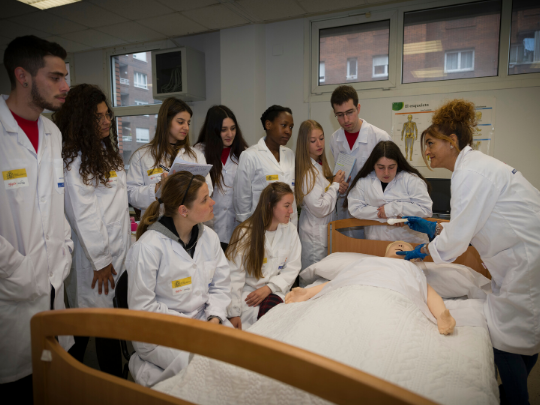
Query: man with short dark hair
35,237
356,138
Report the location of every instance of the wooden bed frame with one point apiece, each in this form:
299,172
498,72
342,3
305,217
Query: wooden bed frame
60,379
337,242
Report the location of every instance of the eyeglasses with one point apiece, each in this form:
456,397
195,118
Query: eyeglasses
348,114
103,117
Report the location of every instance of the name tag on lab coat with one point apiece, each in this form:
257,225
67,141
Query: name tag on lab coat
15,178
181,286
272,177
282,265
155,174
265,260
113,178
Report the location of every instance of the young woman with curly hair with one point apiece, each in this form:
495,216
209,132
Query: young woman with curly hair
170,140
96,206
222,143
497,210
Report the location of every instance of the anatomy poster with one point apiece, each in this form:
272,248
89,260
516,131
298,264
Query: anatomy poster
410,119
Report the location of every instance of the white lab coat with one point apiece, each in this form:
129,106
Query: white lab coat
283,262
142,176
318,210
368,137
154,262
405,195
101,232
35,238
224,220
497,210
258,168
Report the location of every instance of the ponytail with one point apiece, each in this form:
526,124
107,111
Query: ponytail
150,216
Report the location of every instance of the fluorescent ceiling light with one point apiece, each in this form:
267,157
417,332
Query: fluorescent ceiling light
429,73
45,4
422,47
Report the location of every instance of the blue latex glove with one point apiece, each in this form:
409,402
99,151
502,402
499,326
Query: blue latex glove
421,225
413,254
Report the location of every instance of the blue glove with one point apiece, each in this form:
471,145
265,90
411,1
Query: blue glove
421,225
413,254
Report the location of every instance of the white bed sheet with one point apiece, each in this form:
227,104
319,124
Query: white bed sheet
374,329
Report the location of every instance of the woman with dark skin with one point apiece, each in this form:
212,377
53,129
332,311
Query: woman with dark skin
266,162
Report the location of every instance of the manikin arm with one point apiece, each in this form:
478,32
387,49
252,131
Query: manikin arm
445,321
303,294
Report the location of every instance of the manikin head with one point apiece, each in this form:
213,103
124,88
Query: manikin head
397,246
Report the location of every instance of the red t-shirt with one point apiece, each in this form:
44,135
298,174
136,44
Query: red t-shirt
30,128
225,154
351,138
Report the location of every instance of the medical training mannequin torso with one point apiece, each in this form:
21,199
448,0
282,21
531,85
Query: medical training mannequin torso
257,168
32,261
143,176
318,209
368,137
224,220
280,269
497,210
445,322
101,233
163,278
405,195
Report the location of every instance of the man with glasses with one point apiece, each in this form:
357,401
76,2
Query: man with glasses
356,138
35,238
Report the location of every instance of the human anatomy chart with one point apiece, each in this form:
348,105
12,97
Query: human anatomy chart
410,119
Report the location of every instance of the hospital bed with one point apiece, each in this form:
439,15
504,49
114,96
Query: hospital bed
60,379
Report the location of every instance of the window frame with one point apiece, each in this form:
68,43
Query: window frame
350,76
323,65
459,69
137,84
137,138
373,74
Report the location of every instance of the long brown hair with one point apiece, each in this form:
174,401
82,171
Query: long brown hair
456,117
160,147
305,173
172,194
210,136
248,237
81,132
389,150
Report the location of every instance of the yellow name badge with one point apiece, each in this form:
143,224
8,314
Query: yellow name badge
15,178
181,286
272,177
112,174
113,177
265,260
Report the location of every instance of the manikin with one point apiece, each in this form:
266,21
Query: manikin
445,322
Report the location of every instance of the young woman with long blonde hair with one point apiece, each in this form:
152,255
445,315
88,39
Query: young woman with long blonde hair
171,140
316,191
264,257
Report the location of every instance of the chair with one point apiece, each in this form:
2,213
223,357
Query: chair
120,301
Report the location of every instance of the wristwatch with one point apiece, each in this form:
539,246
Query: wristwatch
214,316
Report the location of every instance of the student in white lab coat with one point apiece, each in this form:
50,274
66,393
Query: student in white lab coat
222,143
316,192
35,238
497,210
96,205
266,162
170,140
264,256
355,138
389,187
176,267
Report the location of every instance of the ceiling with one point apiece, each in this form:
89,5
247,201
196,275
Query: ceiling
96,24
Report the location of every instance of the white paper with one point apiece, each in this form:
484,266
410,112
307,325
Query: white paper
346,163
180,165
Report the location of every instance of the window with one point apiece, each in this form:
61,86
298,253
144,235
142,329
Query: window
352,68
138,102
346,52
380,66
439,43
140,56
140,80
458,61
321,72
524,38
142,134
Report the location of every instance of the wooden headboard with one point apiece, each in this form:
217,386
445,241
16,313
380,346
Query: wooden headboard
337,242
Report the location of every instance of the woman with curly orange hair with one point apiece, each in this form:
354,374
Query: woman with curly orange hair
494,208
96,206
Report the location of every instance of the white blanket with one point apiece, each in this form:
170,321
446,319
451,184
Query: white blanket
374,329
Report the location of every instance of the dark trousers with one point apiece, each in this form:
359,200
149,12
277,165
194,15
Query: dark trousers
514,370
108,351
20,392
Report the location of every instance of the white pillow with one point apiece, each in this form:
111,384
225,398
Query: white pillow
455,280
329,267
